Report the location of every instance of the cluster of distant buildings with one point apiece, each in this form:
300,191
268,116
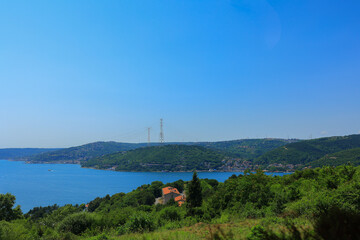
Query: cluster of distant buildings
287,167
237,164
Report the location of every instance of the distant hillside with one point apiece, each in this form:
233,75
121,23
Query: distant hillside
16,153
276,154
306,151
82,153
159,158
351,156
247,149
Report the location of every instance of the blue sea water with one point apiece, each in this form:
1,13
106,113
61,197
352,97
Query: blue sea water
34,185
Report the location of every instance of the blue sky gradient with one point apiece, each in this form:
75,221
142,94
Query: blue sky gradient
73,72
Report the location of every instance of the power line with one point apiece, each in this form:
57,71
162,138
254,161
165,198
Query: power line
149,135
161,131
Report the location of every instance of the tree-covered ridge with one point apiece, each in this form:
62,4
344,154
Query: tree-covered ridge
18,153
247,149
82,153
317,204
238,155
351,156
161,158
306,151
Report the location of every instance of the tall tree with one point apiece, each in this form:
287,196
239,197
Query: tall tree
7,212
194,193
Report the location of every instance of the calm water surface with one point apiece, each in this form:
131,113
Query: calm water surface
34,185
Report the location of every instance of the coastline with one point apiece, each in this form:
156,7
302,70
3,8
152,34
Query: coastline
237,171
78,163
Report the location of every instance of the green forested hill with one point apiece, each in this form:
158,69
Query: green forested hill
83,153
158,158
306,151
16,153
347,156
247,149
240,154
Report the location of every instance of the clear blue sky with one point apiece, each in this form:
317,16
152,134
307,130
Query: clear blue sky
74,72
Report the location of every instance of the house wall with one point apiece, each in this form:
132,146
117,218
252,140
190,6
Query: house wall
169,196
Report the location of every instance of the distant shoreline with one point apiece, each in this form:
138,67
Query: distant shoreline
26,162
181,171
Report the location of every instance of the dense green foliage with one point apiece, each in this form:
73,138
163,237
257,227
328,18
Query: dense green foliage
270,154
322,203
159,158
18,153
7,210
343,157
194,193
83,153
40,212
304,152
247,149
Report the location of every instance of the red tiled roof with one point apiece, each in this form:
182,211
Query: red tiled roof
167,190
179,198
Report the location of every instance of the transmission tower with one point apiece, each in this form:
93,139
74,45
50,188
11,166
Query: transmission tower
149,136
161,131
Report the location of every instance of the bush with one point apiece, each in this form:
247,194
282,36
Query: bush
259,233
102,236
250,211
76,223
335,223
14,230
121,230
170,214
140,222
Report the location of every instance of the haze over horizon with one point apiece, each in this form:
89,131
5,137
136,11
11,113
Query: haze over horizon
75,72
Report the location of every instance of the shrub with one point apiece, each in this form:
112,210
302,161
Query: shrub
335,223
13,231
76,223
259,233
170,214
140,222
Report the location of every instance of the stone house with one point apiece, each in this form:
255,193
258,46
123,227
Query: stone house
169,193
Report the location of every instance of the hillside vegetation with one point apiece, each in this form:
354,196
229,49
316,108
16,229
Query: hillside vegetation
247,149
317,204
17,153
161,158
82,153
238,155
307,151
351,156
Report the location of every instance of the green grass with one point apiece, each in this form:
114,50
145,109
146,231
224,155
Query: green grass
237,230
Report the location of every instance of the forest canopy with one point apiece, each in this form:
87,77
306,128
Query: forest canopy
320,203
